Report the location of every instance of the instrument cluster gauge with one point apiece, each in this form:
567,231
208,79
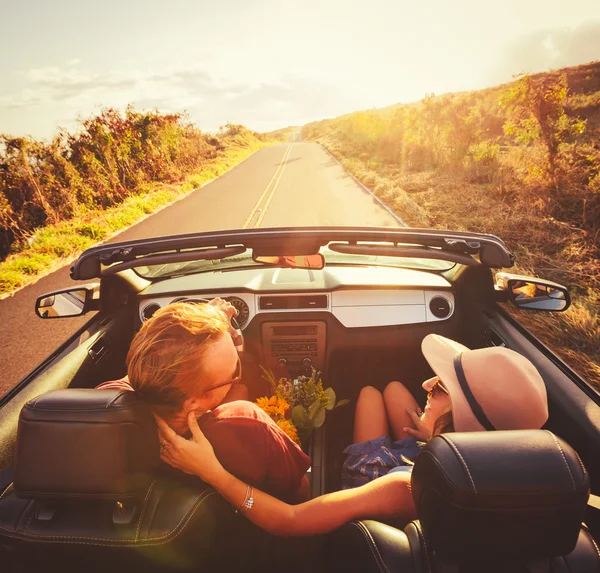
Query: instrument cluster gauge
241,307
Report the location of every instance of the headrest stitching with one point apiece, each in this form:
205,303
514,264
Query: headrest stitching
96,408
143,510
440,468
587,532
564,459
584,471
371,544
422,538
453,446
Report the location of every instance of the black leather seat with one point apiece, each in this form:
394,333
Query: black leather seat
87,495
487,502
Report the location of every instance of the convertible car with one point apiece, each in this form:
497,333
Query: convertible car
82,487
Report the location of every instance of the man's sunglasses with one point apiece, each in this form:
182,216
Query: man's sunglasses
437,385
237,378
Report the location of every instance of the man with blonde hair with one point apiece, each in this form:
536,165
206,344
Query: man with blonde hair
184,360
177,355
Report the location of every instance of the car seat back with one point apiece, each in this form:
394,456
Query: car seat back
498,502
88,494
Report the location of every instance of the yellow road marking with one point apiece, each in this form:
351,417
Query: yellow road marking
264,209
273,189
276,178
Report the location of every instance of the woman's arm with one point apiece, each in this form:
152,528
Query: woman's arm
388,496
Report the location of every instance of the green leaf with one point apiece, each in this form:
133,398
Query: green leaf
319,419
342,403
314,409
299,416
330,393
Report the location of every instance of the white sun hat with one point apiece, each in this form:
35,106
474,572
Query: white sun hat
490,388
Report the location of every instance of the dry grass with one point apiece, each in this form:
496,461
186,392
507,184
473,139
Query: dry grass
54,246
573,335
520,161
542,245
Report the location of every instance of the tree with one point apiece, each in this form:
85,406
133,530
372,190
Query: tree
538,109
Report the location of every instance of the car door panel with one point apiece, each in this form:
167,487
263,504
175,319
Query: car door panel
95,353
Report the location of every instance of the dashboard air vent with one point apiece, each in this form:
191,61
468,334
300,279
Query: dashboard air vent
440,307
292,302
149,310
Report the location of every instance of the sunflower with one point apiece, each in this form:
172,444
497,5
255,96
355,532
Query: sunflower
275,407
262,403
289,429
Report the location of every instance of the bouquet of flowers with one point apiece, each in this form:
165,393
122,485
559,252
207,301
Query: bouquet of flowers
298,406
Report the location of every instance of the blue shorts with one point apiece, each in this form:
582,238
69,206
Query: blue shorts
371,459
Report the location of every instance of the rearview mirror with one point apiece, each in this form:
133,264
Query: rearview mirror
68,302
532,293
293,261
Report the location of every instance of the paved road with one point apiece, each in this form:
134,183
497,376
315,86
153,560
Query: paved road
290,184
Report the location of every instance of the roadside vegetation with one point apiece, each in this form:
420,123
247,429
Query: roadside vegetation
60,197
520,160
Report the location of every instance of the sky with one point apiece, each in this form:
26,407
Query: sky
269,64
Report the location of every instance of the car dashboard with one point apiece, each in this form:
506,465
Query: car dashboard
289,310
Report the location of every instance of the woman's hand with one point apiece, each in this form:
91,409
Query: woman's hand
420,431
194,456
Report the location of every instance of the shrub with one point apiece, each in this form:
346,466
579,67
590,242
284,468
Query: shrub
521,161
481,162
110,157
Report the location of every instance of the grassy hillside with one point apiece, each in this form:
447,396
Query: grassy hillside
283,135
520,160
58,198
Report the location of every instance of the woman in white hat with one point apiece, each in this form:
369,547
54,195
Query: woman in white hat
474,390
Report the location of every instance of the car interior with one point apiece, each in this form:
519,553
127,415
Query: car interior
83,488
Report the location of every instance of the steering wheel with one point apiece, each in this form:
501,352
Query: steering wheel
238,339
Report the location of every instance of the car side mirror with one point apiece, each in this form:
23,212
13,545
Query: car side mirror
69,302
531,293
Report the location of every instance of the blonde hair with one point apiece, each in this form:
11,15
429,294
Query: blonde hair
165,355
443,424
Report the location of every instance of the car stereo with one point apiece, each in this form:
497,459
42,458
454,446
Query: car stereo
293,348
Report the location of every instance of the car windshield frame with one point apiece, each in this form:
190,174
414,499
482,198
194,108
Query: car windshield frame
387,244
245,261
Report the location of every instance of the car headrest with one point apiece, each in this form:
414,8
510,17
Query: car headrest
513,494
85,444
